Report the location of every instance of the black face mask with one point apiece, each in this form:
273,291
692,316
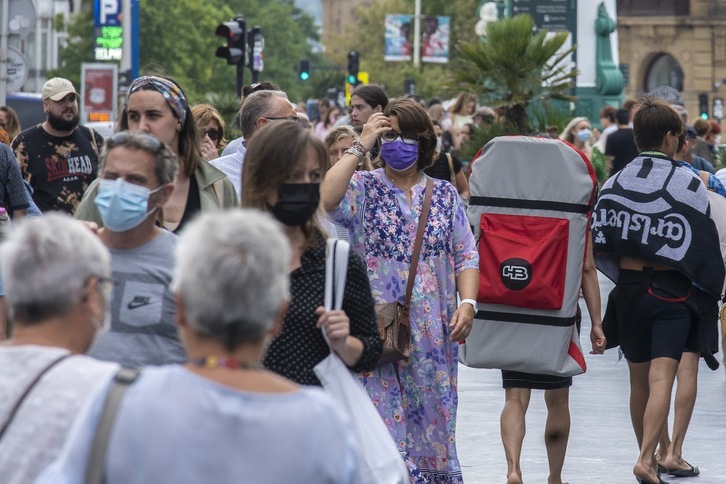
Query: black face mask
296,203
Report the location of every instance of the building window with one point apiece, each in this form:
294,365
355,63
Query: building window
664,71
653,8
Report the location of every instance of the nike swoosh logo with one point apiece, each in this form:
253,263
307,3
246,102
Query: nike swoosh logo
136,305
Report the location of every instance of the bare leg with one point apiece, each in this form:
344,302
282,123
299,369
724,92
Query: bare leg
663,444
639,392
660,381
557,431
683,406
513,428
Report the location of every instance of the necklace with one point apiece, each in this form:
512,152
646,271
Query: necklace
399,184
222,362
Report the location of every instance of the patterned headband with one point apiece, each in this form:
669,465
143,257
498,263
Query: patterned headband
171,92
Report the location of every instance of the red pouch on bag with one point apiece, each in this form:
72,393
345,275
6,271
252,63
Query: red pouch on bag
522,260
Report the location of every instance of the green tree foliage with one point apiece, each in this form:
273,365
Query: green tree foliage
367,37
513,67
177,39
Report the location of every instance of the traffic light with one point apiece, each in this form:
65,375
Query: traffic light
256,47
703,105
125,78
353,65
303,70
236,49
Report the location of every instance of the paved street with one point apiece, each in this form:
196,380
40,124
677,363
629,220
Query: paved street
602,447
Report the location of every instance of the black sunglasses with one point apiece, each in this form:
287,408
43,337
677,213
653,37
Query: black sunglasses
214,134
144,140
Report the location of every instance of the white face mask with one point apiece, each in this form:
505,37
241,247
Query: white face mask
717,139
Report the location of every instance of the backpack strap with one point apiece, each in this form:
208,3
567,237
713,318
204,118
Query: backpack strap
97,458
91,134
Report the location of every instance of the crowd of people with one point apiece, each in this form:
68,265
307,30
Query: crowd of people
189,268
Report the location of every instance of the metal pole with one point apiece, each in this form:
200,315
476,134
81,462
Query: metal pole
126,46
4,51
240,78
417,34
135,43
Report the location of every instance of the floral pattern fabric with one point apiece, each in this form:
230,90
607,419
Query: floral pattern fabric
417,398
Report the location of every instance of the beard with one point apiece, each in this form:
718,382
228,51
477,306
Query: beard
60,124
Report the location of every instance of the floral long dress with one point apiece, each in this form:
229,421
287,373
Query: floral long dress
417,399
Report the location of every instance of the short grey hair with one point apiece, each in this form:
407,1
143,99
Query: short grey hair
166,162
46,263
232,275
257,105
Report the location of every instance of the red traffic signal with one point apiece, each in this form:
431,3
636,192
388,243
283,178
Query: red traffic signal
236,49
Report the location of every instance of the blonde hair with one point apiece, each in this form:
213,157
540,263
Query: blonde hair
205,114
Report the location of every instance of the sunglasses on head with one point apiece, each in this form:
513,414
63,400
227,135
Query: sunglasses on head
214,134
146,141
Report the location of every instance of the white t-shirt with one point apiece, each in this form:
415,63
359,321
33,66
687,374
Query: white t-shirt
174,426
36,434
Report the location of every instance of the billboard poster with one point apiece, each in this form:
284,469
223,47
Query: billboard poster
398,45
435,42
98,97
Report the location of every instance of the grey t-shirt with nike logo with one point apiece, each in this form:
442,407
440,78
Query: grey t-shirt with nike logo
143,331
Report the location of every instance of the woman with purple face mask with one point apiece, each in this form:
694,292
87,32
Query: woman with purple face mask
417,397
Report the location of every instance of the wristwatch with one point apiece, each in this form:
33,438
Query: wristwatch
470,301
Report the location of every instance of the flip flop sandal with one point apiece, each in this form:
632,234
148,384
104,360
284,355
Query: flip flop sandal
692,472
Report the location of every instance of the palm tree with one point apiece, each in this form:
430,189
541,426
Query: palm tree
515,65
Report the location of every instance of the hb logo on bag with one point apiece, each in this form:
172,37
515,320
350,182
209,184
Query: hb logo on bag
516,273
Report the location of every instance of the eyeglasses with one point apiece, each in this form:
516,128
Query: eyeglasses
143,140
407,138
214,134
105,286
280,118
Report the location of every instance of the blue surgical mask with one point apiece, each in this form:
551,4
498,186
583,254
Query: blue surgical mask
584,135
123,205
399,155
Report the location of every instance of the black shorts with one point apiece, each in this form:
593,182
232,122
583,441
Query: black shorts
661,325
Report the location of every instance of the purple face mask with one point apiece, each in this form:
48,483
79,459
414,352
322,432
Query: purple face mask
399,155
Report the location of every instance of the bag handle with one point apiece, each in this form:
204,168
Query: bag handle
97,458
27,391
417,246
336,271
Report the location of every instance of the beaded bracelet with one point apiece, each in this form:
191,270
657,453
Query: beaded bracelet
357,143
354,150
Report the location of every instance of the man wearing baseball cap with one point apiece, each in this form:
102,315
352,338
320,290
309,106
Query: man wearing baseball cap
59,158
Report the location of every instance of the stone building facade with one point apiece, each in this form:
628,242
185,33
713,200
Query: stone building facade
678,43
339,15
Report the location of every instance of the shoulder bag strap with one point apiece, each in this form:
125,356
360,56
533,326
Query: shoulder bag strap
419,241
97,458
27,391
451,167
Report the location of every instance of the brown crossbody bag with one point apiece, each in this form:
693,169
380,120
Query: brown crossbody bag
393,318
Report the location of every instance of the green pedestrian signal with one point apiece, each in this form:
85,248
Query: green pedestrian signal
303,70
